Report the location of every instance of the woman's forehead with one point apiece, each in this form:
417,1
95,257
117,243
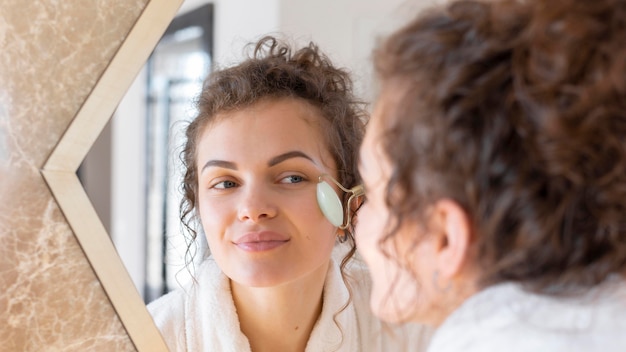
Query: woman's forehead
269,127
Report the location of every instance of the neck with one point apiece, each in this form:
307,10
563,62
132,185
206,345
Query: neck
461,288
280,318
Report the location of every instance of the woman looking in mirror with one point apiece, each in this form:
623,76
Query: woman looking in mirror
269,132
495,173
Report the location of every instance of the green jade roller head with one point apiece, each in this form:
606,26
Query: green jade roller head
331,205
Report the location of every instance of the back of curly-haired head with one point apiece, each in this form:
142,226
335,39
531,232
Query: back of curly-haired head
517,111
275,71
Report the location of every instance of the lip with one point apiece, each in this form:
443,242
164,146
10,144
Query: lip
260,241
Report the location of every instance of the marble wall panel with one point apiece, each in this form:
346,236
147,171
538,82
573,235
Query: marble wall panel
51,56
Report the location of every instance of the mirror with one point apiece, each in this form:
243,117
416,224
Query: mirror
134,183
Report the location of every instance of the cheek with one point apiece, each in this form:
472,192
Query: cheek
396,290
308,219
369,230
368,233
304,209
213,217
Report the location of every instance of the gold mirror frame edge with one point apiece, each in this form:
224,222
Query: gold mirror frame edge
59,172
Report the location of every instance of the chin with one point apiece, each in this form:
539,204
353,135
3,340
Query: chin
389,309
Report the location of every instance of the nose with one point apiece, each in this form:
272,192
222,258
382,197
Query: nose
256,204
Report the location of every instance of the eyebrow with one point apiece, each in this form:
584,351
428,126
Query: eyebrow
273,161
220,163
289,155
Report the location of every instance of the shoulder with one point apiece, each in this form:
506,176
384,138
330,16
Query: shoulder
168,307
505,317
201,316
168,313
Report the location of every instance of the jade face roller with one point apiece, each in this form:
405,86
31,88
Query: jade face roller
331,205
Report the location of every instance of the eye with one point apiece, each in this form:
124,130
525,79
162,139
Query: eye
292,179
225,185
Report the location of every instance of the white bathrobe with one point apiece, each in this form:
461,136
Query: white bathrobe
202,317
507,318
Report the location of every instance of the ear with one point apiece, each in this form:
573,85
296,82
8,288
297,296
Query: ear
453,230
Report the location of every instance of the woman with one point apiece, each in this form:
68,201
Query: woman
495,173
271,132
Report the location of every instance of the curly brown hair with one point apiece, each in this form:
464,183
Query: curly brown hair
272,72
516,110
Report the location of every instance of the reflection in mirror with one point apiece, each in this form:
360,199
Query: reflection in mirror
131,173
175,73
